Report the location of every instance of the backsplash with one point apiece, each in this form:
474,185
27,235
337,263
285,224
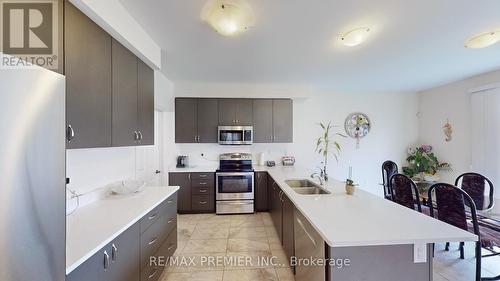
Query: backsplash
211,152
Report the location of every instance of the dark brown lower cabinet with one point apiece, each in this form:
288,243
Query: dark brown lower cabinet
287,226
261,194
183,180
276,209
197,191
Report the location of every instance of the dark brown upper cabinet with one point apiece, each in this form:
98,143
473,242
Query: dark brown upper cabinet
262,121
88,81
282,120
196,120
235,112
146,103
272,120
109,91
124,126
133,99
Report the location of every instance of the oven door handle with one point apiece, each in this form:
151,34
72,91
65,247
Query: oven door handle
237,203
234,174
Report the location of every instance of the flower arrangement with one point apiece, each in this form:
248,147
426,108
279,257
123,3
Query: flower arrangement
422,163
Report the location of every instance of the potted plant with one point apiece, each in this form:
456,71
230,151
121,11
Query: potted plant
326,145
423,164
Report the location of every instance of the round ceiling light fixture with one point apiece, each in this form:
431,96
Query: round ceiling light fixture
355,37
228,17
483,40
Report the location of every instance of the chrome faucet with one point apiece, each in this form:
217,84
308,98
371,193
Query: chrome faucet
321,179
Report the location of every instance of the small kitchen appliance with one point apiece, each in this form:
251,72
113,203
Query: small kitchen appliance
182,161
288,160
235,135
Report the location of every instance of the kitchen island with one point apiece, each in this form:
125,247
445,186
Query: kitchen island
362,236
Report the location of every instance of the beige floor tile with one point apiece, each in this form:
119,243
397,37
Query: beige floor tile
261,274
271,231
187,262
248,222
206,246
185,231
281,258
245,260
275,243
247,244
180,246
247,232
193,276
285,274
202,232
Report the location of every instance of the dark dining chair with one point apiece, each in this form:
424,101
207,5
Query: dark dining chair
475,185
389,168
404,192
452,205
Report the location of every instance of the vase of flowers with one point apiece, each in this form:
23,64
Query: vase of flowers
423,164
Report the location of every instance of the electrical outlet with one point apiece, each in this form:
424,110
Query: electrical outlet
420,253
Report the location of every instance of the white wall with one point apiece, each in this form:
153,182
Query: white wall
393,116
453,102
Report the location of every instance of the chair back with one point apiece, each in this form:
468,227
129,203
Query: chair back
404,192
389,168
450,203
475,185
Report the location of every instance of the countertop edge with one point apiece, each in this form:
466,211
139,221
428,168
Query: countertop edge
85,257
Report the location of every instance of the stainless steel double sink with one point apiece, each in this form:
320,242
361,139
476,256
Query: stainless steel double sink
306,187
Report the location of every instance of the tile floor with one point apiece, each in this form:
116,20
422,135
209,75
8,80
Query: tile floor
236,248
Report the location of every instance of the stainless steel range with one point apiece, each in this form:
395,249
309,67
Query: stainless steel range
234,181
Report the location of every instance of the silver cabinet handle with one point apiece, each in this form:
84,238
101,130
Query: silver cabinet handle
70,133
140,135
203,202
153,273
202,176
153,216
170,220
114,252
106,260
203,190
170,201
203,183
170,247
189,176
136,136
153,241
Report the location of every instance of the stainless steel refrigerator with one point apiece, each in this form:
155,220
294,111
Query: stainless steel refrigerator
32,175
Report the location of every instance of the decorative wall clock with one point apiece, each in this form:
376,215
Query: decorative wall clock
357,125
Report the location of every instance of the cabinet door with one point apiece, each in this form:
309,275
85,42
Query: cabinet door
288,221
88,80
244,112
183,180
227,112
93,268
185,120
262,121
283,120
146,103
208,120
125,256
124,96
278,212
261,191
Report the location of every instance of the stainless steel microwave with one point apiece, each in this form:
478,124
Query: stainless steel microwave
236,135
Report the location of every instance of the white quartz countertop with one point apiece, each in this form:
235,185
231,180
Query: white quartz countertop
364,219
93,226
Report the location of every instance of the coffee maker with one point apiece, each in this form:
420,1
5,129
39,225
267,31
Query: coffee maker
182,161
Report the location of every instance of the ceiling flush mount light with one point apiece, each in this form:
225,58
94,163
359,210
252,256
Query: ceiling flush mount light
483,40
228,17
355,37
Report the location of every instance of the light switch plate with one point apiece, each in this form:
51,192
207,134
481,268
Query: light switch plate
420,253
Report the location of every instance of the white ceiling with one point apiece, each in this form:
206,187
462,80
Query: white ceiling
415,44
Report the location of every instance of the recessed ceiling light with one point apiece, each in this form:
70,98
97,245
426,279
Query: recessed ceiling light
355,37
228,17
483,40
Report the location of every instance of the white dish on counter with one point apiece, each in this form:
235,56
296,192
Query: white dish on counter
126,186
